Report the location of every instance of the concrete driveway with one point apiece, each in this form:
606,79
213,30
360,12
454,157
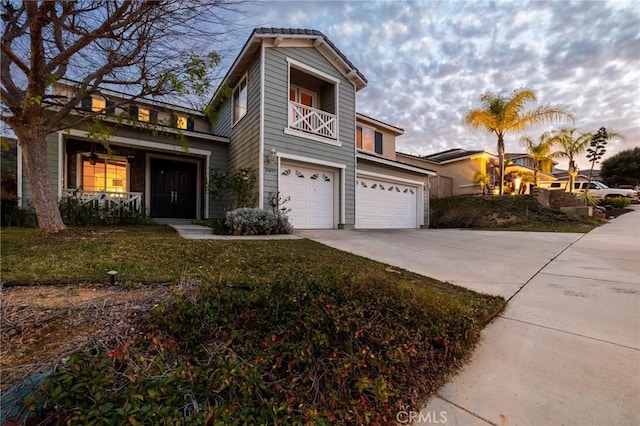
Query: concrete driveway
566,350
498,263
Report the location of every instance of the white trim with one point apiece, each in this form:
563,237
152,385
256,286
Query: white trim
338,185
207,165
417,184
244,78
294,132
390,178
19,179
261,130
143,143
310,70
310,160
374,122
106,157
343,197
395,164
301,90
342,168
355,154
61,164
147,179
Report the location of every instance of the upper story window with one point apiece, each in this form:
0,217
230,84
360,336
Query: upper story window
144,115
240,100
368,139
95,104
98,104
182,121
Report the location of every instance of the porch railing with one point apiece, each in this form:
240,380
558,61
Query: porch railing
107,200
312,120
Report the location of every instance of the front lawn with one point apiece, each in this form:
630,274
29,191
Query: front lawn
253,332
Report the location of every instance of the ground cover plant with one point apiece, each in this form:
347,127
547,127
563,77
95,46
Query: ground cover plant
505,213
251,332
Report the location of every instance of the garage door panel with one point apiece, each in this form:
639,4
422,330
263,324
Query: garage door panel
383,204
311,195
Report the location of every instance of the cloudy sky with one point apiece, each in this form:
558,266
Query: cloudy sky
428,62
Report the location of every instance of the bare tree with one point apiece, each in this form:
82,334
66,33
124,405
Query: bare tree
143,48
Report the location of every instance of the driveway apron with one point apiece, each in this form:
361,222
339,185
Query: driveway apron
566,350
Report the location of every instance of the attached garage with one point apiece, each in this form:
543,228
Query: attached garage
383,203
312,195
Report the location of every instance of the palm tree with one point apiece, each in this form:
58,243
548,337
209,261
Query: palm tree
570,146
502,113
539,151
483,179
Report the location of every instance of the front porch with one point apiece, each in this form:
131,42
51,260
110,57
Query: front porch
122,177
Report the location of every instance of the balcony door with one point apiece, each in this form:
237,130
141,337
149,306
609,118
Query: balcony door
173,188
302,96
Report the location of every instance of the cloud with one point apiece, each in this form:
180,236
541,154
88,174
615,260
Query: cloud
428,62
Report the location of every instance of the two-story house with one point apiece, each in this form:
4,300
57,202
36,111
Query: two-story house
287,109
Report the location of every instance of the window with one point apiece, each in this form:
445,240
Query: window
240,100
107,174
98,104
369,139
181,121
144,115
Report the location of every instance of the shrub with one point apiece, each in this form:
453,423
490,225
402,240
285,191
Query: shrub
13,215
254,221
76,213
340,349
615,202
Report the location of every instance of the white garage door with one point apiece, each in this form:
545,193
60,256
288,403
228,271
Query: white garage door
312,195
382,204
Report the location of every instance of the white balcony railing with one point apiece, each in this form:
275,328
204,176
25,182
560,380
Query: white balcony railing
107,200
312,120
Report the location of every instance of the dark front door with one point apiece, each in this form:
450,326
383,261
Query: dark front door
173,188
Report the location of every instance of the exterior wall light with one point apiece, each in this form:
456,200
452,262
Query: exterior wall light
273,155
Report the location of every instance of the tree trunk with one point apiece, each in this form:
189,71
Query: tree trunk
34,151
501,158
572,175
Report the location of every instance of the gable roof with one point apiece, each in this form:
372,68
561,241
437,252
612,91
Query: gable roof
254,41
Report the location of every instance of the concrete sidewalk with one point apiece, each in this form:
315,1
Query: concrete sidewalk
566,350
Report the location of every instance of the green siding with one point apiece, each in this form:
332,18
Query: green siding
276,119
244,148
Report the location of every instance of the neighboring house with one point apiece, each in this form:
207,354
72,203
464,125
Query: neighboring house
287,109
461,166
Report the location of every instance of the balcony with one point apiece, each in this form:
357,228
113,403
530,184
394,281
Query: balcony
105,200
312,120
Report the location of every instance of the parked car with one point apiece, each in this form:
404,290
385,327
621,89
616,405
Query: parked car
597,189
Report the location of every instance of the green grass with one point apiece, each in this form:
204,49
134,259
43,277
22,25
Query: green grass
279,330
506,213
